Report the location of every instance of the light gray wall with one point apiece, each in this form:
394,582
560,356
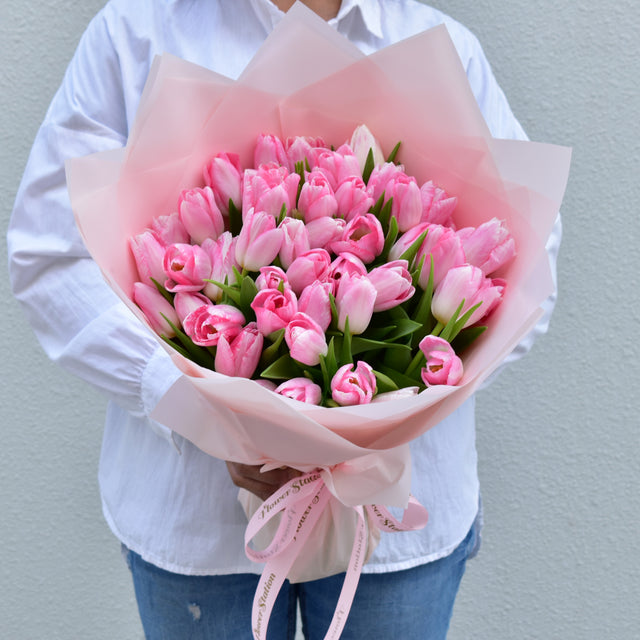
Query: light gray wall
558,433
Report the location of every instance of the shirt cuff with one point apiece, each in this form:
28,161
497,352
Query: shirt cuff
158,377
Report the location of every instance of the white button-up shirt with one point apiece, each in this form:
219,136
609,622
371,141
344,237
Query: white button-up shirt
162,497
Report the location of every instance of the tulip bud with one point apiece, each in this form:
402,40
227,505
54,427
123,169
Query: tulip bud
186,266
295,241
317,199
272,278
148,252
489,246
154,305
363,237
355,299
269,189
352,198
393,284
323,231
337,165
186,301
269,150
315,301
349,387
170,230
437,205
258,242
466,283
223,174
205,325
238,356
300,389
362,140
443,365
222,253
200,214
307,268
274,309
305,339
303,149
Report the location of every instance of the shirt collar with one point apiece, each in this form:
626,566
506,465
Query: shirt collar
369,10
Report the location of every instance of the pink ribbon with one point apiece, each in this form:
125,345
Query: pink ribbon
301,503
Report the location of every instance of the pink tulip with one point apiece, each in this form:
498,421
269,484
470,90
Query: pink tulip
301,389
317,199
443,365
442,244
200,214
272,278
361,141
337,165
148,252
315,301
350,387
363,237
305,339
307,268
154,305
295,241
466,283
223,174
206,324
238,355
186,267
274,309
406,207
170,230
186,301
258,242
489,246
393,284
437,205
355,299
303,149
269,150
222,253
352,198
380,177
407,202
345,264
268,189
323,231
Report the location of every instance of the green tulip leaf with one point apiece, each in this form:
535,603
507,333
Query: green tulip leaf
384,383
394,152
369,165
284,368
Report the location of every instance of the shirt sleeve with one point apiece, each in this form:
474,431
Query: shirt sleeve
503,124
79,321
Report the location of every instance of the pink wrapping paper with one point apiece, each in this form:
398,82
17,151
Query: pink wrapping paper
187,114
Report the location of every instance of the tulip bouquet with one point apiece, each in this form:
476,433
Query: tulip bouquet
344,278
287,265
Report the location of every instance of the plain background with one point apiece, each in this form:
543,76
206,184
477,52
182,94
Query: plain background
558,432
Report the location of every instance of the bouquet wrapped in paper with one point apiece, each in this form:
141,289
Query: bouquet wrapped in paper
353,453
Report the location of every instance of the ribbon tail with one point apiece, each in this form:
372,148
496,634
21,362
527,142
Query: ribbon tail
352,577
278,567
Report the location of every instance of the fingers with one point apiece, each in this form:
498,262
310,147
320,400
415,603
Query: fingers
263,485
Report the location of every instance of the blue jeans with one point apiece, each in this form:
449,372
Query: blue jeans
415,604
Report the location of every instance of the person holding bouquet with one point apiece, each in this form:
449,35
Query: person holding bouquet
173,507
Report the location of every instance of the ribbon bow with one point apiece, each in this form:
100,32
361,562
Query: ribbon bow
301,502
